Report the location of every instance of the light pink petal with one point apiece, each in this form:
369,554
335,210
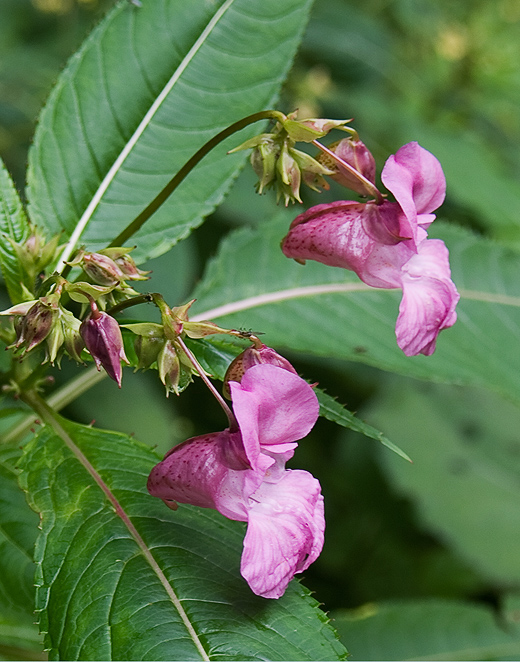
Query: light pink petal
429,299
416,179
284,532
210,471
274,409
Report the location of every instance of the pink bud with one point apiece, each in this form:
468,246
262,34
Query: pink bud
250,357
355,154
104,341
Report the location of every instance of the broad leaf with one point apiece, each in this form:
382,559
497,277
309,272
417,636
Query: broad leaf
18,529
329,312
428,630
14,227
122,577
148,88
465,478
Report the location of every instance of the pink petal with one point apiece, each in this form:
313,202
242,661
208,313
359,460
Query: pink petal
209,471
429,299
274,408
416,179
284,533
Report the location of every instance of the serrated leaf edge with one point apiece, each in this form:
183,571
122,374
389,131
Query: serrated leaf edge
59,430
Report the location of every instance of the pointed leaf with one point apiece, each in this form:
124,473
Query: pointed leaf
329,312
332,410
122,577
148,88
14,226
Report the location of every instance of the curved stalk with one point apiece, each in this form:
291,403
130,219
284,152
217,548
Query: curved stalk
154,205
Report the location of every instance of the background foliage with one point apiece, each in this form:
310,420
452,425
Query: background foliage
409,548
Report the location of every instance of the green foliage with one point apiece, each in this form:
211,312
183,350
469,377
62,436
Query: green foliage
17,535
166,584
13,227
430,630
470,439
125,116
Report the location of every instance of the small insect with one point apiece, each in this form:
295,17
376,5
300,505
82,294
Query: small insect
136,3
247,333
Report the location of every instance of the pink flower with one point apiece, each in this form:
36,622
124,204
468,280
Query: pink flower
242,475
386,245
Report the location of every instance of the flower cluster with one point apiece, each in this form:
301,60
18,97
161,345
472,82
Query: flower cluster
241,473
386,245
279,165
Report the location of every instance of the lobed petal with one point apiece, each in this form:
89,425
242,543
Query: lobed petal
274,408
284,533
416,179
429,299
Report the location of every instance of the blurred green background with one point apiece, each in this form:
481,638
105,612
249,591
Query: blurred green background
447,74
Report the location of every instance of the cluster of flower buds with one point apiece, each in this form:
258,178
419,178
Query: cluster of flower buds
110,268
45,319
35,253
161,346
279,165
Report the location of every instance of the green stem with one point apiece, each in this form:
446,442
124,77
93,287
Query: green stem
58,400
134,301
233,423
154,205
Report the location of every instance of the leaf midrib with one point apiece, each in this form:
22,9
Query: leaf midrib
332,288
130,144
54,422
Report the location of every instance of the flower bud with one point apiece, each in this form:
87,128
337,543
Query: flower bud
250,357
37,323
126,264
148,342
102,269
54,341
263,160
355,154
104,341
72,339
169,367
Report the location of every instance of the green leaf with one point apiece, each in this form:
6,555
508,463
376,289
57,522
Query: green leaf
18,529
465,480
122,577
148,88
19,637
332,410
329,312
426,630
14,226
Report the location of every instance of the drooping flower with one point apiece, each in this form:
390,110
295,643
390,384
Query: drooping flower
386,245
241,473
